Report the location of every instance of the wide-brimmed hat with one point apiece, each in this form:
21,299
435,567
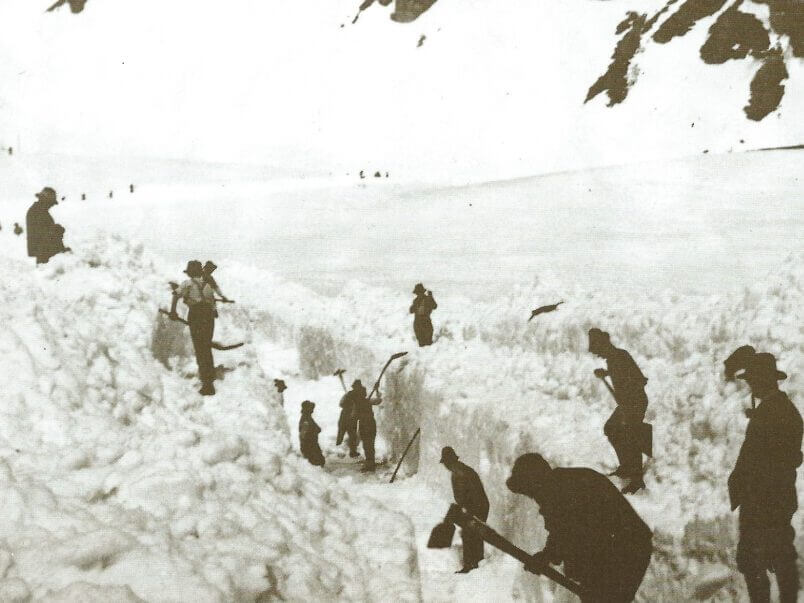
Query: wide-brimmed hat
597,338
47,194
762,365
448,454
307,406
194,268
529,468
419,288
210,266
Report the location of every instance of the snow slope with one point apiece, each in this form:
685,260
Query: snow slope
120,482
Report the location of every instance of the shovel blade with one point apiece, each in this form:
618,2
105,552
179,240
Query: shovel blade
441,536
398,355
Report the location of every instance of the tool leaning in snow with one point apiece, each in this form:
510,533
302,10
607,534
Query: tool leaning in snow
402,458
441,537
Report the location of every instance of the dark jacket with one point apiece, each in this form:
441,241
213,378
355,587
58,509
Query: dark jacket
627,380
44,235
764,477
423,305
468,491
308,440
588,520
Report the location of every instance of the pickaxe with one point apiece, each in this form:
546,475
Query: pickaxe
339,374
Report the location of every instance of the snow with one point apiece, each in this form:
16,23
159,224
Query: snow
108,448
119,482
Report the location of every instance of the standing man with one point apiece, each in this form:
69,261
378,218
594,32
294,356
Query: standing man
423,304
45,237
308,435
604,545
200,299
469,494
366,425
624,429
347,421
763,485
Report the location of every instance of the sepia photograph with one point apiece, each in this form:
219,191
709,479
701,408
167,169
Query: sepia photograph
422,301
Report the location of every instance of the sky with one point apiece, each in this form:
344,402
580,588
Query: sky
490,94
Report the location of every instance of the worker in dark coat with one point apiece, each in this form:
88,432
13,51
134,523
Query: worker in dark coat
200,299
45,237
423,304
347,421
366,425
624,429
469,494
763,485
308,435
604,545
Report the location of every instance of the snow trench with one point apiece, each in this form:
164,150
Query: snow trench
118,481
495,386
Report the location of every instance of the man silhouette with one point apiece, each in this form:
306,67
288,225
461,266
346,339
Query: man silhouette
624,427
763,485
593,530
469,494
423,304
45,237
308,435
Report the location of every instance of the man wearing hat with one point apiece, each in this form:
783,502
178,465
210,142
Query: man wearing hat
592,529
200,299
347,421
763,484
423,304
624,427
308,435
45,237
363,413
469,494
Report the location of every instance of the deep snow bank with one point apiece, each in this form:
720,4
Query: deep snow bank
119,482
495,386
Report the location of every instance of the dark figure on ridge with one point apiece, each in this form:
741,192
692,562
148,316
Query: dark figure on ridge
17,229
45,237
366,425
347,421
200,299
423,304
469,494
604,545
625,429
763,485
308,435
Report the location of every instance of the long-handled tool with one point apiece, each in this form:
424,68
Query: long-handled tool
339,374
402,458
376,387
646,429
214,345
466,521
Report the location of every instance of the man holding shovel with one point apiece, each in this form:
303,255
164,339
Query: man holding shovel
347,422
604,545
470,495
624,429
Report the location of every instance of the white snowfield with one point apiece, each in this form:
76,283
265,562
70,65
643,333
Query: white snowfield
119,482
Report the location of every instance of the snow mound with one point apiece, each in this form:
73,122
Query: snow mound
118,481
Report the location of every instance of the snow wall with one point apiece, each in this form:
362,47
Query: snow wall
495,386
119,482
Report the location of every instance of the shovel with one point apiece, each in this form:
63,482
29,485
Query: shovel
382,372
441,536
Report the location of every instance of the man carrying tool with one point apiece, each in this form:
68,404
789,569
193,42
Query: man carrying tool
366,425
470,495
423,304
604,545
347,422
200,299
763,484
624,429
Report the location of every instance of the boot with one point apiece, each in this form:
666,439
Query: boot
636,484
787,580
466,569
207,389
368,468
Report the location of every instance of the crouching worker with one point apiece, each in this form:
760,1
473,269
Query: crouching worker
308,435
604,545
200,299
469,494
